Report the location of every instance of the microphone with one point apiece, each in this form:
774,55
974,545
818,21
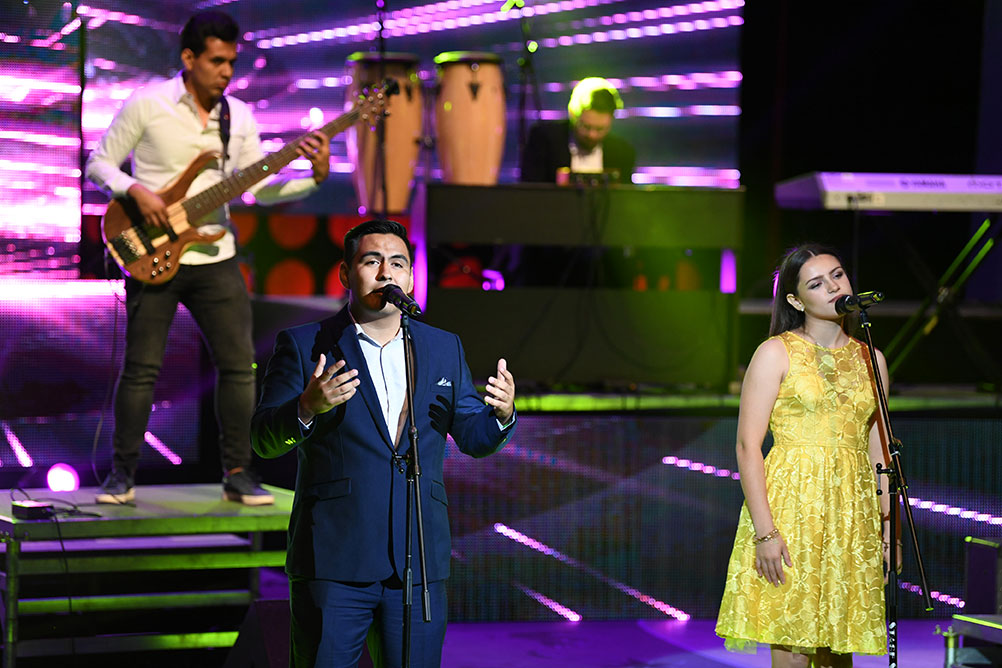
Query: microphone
849,303
393,294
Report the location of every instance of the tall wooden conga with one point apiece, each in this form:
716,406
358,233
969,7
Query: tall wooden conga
403,130
470,117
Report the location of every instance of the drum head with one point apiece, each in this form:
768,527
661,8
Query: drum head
451,57
390,57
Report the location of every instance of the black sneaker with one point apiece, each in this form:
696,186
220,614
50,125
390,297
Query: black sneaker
118,488
242,487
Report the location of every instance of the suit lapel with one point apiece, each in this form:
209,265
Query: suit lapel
348,348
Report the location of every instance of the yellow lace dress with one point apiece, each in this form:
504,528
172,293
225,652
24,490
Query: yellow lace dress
822,493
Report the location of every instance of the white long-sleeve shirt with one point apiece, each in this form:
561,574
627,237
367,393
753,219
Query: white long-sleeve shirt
160,126
389,375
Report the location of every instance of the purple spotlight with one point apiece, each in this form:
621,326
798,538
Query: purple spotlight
62,478
493,280
728,272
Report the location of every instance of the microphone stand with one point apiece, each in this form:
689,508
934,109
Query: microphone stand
896,484
413,503
381,127
527,74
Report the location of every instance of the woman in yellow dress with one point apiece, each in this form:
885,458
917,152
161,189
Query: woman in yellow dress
805,576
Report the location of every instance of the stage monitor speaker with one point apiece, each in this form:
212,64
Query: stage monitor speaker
982,596
983,577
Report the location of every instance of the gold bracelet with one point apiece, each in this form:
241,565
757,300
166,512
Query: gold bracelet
758,540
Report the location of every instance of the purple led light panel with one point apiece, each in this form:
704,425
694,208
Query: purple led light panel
59,338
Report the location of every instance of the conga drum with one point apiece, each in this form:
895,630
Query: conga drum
470,117
403,130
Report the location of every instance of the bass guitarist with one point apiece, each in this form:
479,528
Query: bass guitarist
166,126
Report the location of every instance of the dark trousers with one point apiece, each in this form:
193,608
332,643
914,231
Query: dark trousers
331,621
216,296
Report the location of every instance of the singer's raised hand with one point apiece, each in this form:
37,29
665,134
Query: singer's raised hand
501,393
326,390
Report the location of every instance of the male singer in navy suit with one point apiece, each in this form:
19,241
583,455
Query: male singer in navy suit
335,390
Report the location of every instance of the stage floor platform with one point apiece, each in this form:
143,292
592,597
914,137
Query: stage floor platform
157,510
931,399
642,644
177,549
628,643
177,527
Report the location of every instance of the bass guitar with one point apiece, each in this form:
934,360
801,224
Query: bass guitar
150,253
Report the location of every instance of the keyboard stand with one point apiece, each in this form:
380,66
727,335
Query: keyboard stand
942,301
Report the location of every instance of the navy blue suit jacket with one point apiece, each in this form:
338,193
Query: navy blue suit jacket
349,513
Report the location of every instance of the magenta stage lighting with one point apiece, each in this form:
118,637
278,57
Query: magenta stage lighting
493,280
62,478
728,272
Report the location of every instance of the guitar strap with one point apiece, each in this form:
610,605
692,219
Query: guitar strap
224,128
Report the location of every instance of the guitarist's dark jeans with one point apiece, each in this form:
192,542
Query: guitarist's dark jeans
216,296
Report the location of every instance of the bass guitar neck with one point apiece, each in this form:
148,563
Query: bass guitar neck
151,254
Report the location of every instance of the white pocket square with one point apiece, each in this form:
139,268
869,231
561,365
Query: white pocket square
444,382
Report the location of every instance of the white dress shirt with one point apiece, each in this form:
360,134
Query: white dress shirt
389,376
582,162
388,373
160,126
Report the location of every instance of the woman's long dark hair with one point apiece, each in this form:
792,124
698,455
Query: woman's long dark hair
784,316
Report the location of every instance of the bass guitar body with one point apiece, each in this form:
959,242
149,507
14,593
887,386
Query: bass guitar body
148,253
